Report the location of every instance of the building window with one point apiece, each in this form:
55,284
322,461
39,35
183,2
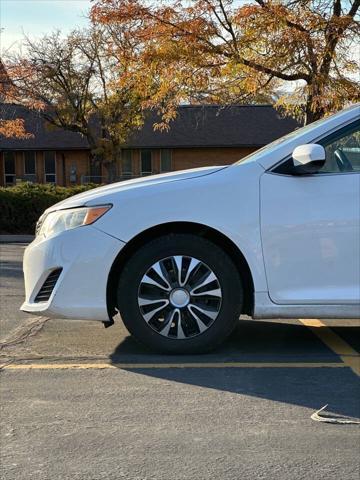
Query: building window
95,172
126,163
165,160
9,166
146,162
29,163
50,167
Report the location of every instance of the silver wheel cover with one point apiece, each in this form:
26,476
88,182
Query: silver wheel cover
179,297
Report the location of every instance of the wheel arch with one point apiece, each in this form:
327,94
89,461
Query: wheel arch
205,231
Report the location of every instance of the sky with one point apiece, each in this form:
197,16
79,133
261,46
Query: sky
37,17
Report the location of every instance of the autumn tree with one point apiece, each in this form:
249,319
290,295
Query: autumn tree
81,84
227,51
13,126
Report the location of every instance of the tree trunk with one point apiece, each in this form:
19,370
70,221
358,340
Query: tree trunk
111,170
112,163
311,114
313,111
95,169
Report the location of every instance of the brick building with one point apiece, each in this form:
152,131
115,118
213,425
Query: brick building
199,136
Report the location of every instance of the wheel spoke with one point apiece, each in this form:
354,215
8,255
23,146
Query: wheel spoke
149,281
149,315
213,293
178,262
169,320
158,270
147,301
191,268
201,325
209,313
209,279
180,331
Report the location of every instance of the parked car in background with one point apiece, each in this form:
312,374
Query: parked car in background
182,255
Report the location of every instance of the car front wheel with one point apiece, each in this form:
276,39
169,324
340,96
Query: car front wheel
180,293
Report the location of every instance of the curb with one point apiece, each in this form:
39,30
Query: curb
16,238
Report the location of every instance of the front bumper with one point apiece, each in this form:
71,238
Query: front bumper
85,255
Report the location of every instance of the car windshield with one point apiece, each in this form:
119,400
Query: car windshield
282,140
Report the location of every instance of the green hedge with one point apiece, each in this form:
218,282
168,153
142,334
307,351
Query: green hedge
22,205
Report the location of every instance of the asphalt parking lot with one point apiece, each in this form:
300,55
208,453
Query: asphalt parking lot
82,402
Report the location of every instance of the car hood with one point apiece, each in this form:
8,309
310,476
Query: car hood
94,196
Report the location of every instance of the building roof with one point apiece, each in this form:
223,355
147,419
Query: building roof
216,126
44,137
195,126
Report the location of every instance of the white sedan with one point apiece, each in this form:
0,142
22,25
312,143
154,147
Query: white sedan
182,255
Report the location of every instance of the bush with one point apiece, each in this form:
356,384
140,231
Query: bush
22,205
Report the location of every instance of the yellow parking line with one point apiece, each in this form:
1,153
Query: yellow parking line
137,366
349,356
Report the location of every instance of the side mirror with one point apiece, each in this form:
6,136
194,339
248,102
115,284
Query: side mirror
308,159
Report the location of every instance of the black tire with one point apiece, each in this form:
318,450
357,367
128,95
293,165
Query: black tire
187,245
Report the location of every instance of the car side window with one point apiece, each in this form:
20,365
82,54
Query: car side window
342,150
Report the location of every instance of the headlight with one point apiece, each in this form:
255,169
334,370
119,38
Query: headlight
60,220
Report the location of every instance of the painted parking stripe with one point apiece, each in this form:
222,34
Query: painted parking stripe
141,366
349,356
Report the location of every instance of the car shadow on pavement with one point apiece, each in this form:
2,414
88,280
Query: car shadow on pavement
257,343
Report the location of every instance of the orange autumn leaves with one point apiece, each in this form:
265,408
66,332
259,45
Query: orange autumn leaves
226,51
14,128
153,54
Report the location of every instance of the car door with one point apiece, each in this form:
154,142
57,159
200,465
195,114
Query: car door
310,227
